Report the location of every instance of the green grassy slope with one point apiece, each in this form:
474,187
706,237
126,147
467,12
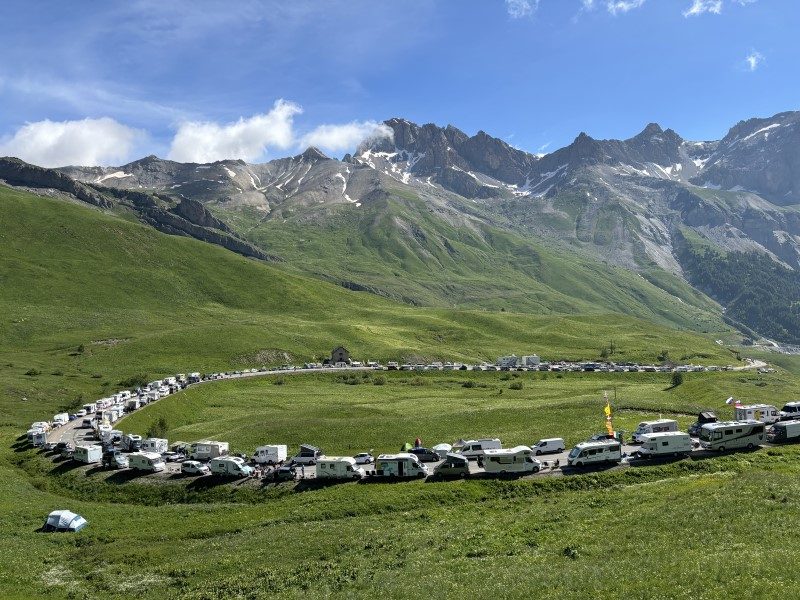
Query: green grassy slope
137,301
399,247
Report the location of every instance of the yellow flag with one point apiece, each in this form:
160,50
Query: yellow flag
607,409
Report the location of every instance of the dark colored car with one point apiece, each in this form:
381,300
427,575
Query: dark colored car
425,455
702,419
454,465
286,473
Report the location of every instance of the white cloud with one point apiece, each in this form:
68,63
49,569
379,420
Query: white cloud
754,60
337,138
588,4
521,8
60,143
616,7
248,139
699,7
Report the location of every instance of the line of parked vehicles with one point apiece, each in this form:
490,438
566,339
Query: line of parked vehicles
753,425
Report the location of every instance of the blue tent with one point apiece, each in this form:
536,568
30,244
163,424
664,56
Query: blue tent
64,520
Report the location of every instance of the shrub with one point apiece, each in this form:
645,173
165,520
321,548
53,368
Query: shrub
380,380
677,379
417,381
159,428
135,381
516,385
279,381
57,373
469,384
33,372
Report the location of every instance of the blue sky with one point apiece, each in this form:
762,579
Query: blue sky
106,82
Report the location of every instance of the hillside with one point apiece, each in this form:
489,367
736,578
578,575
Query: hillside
90,299
432,216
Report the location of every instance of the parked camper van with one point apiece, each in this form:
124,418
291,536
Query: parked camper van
308,455
472,449
114,459
90,407
766,413
131,442
87,454
510,460
600,451
399,465
132,404
39,439
231,466
159,445
146,461
549,446
270,455
665,443
729,435
658,426
783,432
790,410
338,467
60,419
207,449
194,377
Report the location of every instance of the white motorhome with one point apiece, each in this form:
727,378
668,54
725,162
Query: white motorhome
131,442
146,461
518,459
399,465
475,448
43,425
784,431
600,451
338,467
194,377
88,454
171,381
132,404
39,439
207,449
154,385
230,465
666,443
729,435
90,407
270,454
657,426
60,419
158,445
766,413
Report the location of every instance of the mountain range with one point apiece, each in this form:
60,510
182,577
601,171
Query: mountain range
430,215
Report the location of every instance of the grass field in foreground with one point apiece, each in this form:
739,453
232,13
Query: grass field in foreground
688,528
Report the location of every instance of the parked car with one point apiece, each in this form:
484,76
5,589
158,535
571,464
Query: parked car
174,456
286,473
114,459
454,465
193,467
364,458
425,454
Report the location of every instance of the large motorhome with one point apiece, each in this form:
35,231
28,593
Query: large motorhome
60,419
666,443
270,454
159,445
599,451
90,407
207,449
510,460
88,454
194,377
658,426
784,431
338,467
131,442
728,435
475,448
399,465
790,410
146,461
766,413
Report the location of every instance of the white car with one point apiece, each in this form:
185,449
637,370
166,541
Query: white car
193,467
365,458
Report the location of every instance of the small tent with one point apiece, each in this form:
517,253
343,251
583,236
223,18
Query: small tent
64,520
442,449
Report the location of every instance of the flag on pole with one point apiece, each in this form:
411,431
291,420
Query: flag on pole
607,411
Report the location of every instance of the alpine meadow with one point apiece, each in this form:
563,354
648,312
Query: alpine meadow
406,299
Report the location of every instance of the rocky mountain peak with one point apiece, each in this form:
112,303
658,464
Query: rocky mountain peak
312,153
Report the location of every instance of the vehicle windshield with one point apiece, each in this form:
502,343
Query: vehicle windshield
574,452
705,434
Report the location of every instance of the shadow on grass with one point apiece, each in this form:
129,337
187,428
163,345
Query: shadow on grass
65,465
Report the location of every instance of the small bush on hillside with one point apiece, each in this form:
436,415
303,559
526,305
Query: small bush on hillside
380,380
159,428
469,384
517,385
279,381
33,372
135,381
57,373
417,381
97,376
505,376
677,379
